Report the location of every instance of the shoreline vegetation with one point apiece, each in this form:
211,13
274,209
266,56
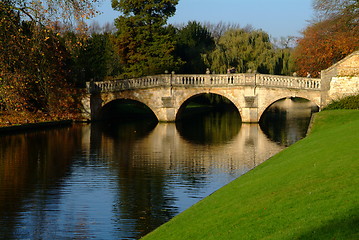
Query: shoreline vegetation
34,126
10,119
48,53
307,191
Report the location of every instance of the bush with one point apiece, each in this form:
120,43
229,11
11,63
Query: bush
350,102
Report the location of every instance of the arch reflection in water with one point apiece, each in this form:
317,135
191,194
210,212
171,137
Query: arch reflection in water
286,121
212,127
119,181
164,172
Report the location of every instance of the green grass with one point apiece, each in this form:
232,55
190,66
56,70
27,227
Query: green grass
308,191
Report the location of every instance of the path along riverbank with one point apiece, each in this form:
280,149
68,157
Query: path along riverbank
307,191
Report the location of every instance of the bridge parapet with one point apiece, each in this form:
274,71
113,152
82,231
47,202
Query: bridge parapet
288,82
206,80
128,84
212,79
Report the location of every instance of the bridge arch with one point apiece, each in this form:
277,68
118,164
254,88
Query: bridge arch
282,104
275,96
186,99
128,107
165,94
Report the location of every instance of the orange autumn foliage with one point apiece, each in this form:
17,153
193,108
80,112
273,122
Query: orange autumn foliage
325,43
34,73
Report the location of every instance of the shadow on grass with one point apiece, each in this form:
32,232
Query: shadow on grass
346,227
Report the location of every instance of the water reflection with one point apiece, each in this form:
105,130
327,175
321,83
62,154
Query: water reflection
211,128
119,181
30,164
287,121
164,172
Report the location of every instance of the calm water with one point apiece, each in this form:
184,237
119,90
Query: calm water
123,181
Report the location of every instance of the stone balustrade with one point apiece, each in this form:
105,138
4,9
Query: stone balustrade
208,80
186,79
288,82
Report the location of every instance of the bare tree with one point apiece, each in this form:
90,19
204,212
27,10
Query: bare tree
326,9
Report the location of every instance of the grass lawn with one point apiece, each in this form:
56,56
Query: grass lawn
308,191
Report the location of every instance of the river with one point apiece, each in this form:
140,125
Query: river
121,181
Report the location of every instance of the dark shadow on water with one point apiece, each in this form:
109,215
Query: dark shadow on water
208,119
211,127
123,119
287,121
283,130
134,129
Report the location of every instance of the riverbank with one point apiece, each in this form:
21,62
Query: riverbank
34,126
307,191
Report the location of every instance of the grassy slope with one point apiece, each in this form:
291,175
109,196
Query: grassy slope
308,191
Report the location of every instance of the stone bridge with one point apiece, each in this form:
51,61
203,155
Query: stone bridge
252,94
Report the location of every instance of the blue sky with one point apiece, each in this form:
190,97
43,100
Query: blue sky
276,17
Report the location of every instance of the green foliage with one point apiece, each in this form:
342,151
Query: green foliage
283,62
96,59
349,102
144,45
249,50
194,43
148,13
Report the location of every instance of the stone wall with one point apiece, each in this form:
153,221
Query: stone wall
350,66
341,79
343,86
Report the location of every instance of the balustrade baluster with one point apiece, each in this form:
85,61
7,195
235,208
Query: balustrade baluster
203,80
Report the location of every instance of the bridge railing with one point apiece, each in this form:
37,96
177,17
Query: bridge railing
210,80
128,84
288,82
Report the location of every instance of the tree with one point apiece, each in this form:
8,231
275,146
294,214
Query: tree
283,61
329,9
144,44
96,59
33,59
194,43
217,30
327,41
243,50
50,12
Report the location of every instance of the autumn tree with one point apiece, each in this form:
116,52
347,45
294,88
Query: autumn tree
144,44
331,38
33,59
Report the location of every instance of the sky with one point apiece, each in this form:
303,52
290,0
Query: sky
279,18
